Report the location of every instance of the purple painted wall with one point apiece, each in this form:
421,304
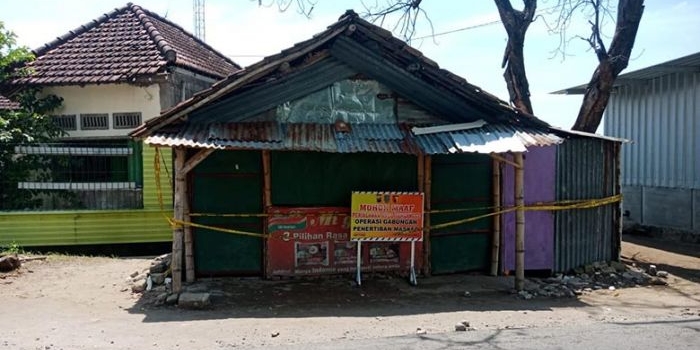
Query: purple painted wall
540,167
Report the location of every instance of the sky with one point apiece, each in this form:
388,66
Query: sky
246,32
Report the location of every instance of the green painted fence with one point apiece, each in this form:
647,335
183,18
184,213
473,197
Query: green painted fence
55,228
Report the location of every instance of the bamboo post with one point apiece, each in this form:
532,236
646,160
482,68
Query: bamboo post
189,249
519,223
427,177
267,202
496,238
178,232
420,171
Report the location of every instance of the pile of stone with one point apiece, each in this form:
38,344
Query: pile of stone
154,277
596,276
154,283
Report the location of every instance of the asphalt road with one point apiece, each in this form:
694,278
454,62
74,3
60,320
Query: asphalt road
668,334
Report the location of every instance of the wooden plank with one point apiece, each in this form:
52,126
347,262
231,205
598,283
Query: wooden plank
189,248
196,159
504,160
519,223
496,237
427,178
178,214
267,201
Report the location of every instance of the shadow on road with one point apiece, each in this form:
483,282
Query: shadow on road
681,266
249,298
668,245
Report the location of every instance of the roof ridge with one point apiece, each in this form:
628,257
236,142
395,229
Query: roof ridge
147,13
77,31
144,17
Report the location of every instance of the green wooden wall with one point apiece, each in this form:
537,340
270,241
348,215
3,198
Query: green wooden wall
228,182
461,181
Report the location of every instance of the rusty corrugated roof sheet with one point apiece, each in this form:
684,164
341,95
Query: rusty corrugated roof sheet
349,29
486,139
375,138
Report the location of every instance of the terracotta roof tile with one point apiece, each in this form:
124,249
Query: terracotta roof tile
5,103
120,45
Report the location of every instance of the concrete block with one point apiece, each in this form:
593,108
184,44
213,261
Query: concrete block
194,300
667,207
632,203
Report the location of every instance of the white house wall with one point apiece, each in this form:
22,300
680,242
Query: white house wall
107,98
661,167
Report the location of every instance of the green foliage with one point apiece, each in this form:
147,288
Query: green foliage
11,55
12,248
27,125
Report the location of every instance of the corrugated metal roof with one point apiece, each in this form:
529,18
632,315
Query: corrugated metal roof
438,89
487,139
376,138
689,63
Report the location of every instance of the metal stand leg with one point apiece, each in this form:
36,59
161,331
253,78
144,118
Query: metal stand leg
358,278
412,273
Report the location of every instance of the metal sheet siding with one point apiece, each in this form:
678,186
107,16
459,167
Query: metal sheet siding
540,168
150,194
487,139
662,118
96,227
378,138
586,169
73,228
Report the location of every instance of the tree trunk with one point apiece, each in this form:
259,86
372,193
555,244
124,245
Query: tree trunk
611,63
516,23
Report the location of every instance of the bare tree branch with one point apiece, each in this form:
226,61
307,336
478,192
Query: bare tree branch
614,60
516,24
409,12
304,7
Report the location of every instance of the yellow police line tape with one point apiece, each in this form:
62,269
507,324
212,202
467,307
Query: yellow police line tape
584,204
552,206
562,205
174,223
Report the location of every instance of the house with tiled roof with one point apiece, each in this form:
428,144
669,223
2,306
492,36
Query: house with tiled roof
6,103
113,73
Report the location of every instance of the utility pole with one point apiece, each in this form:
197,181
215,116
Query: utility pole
199,24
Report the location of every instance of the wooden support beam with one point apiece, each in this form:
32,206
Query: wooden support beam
504,160
178,213
188,165
267,202
420,171
496,237
196,159
519,222
427,183
189,246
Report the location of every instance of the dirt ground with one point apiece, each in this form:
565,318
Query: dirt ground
69,302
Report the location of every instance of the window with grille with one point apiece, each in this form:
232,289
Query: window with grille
94,121
93,175
65,121
126,120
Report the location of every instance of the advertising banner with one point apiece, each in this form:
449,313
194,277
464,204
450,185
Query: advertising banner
316,241
386,216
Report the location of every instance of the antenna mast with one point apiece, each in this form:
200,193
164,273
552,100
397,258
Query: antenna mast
199,19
